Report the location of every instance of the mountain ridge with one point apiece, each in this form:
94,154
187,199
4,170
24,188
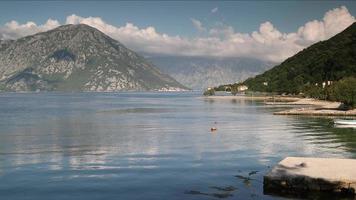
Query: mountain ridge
203,72
77,58
329,60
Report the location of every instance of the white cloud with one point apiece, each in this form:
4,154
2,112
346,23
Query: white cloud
14,30
333,22
267,43
198,25
267,34
214,10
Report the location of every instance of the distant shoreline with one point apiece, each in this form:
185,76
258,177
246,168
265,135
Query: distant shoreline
275,98
311,107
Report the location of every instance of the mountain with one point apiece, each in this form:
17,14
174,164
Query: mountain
76,58
202,72
329,60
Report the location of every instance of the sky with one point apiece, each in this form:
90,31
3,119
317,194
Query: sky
265,30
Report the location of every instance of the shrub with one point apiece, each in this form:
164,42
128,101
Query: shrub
209,92
344,91
2,87
316,92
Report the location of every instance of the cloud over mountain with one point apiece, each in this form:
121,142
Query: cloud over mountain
267,43
14,30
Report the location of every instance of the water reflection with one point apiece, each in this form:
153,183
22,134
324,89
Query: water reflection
322,132
129,144
345,126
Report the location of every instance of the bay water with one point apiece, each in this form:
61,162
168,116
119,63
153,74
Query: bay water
151,145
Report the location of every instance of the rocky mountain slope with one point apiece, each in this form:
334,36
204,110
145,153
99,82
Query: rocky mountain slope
201,73
76,58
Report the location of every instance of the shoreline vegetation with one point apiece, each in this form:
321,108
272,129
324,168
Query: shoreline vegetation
309,106
322,75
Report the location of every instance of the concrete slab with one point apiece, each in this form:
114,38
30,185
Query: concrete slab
299,174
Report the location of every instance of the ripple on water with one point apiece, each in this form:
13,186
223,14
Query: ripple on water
150,146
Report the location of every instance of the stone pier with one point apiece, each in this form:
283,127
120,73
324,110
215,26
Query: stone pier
295,175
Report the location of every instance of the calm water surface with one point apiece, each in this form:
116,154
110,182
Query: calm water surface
150,145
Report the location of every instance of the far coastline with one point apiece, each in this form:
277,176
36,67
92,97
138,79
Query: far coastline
309,106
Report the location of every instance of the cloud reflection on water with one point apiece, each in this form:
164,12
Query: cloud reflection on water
78,142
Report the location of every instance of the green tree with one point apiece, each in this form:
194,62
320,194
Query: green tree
314,91
329,60
209,92
344,91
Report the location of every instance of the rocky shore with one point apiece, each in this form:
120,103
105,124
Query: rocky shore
316,108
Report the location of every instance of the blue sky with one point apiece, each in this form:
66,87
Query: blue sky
173,17
265,30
